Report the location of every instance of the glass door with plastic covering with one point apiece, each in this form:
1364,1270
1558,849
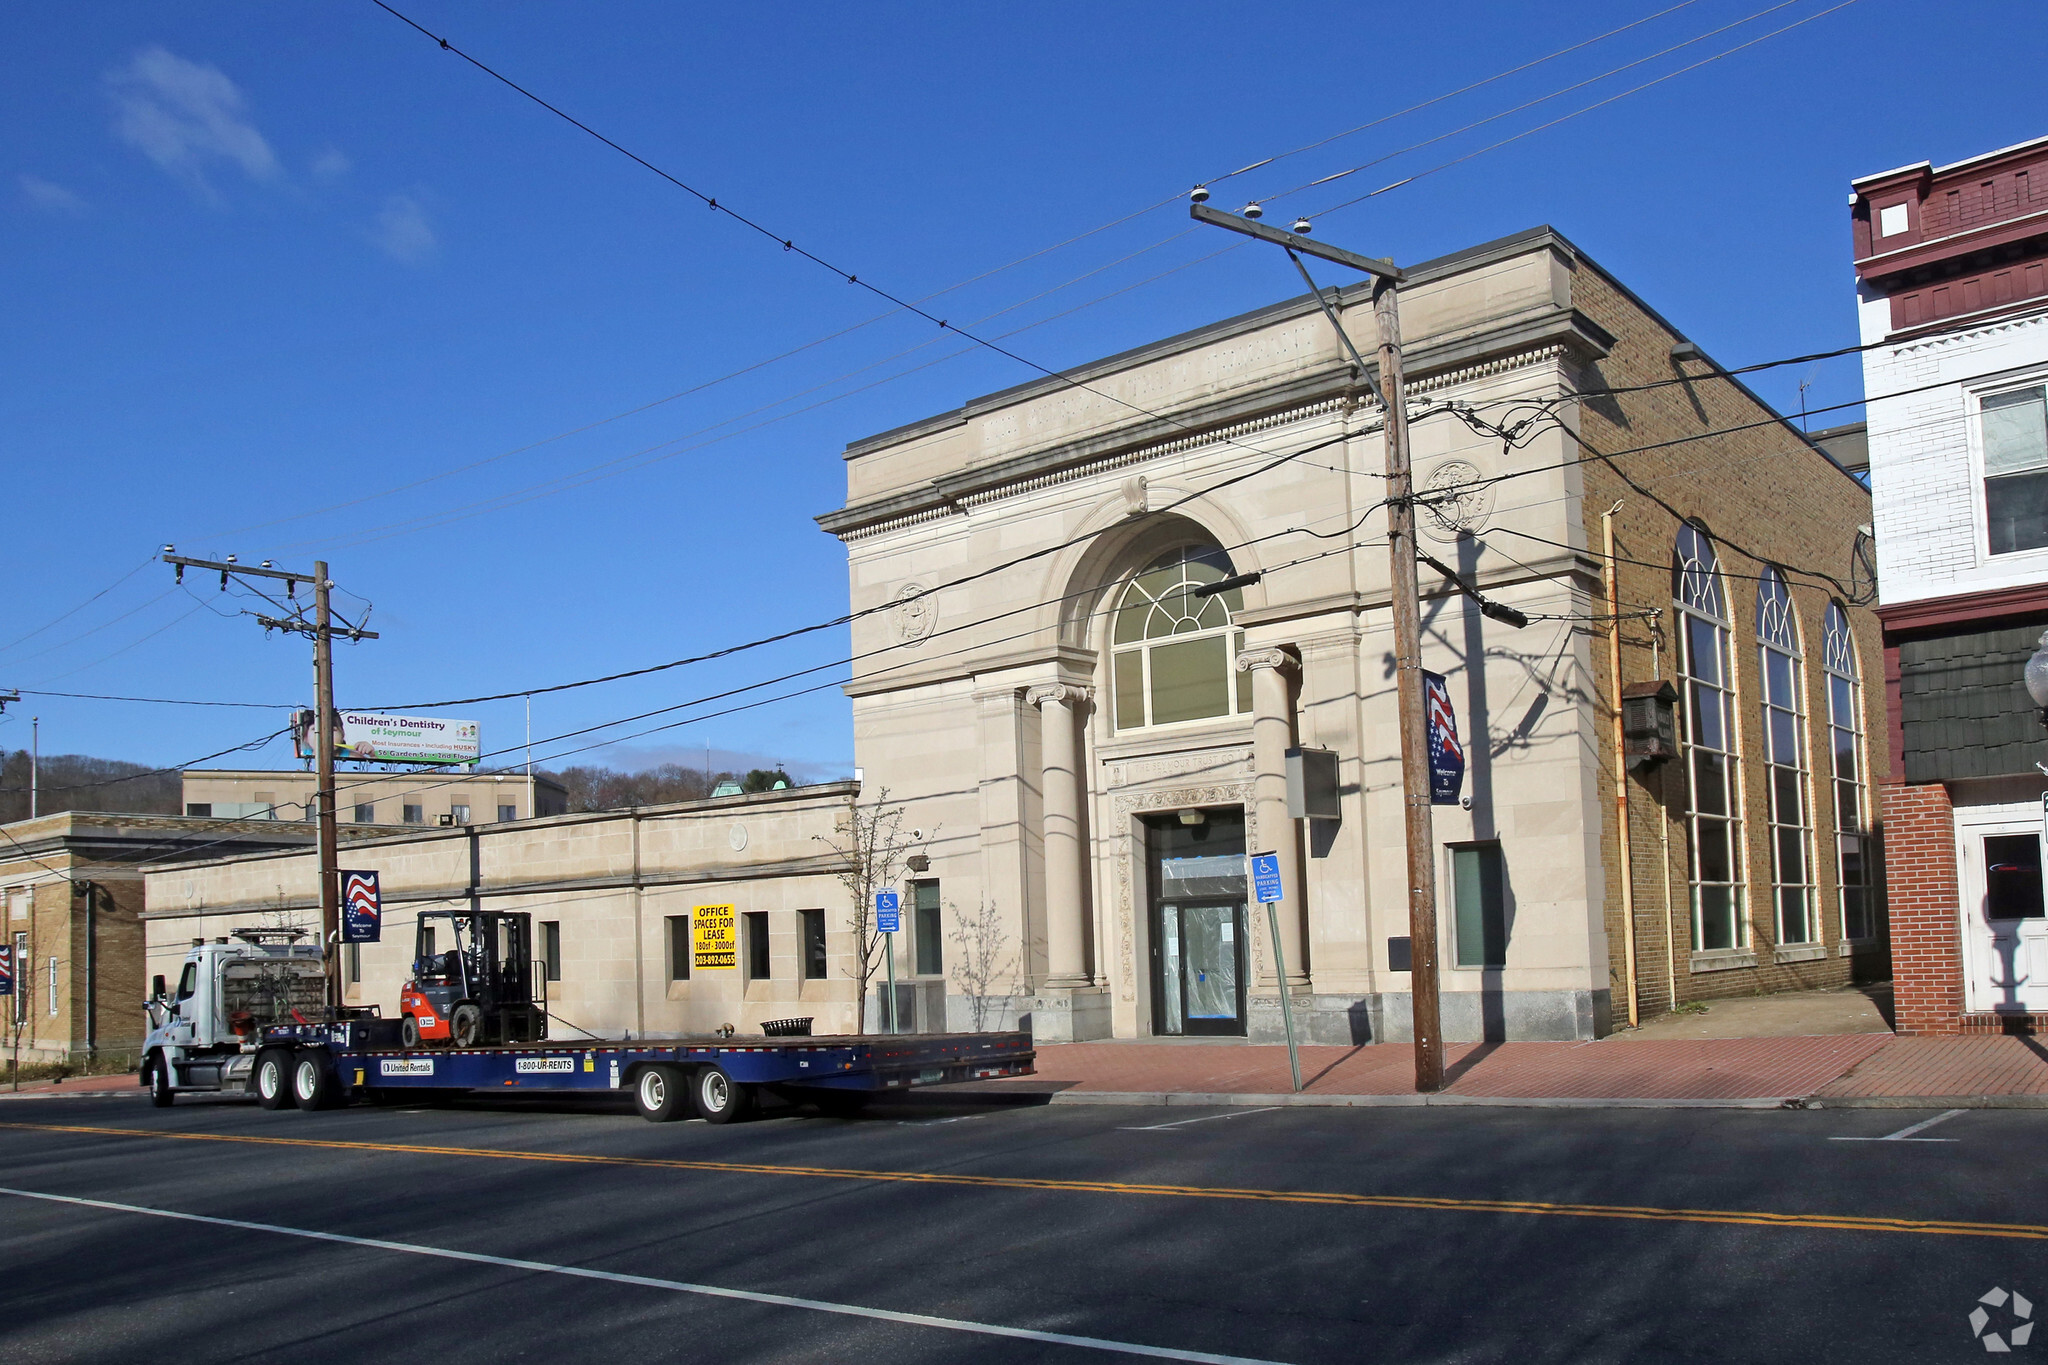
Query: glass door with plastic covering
1197,923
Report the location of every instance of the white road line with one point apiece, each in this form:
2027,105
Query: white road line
850,1310
1906,1134
1182,1123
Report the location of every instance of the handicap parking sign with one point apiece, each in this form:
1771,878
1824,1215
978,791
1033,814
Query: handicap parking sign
1266,877
888,912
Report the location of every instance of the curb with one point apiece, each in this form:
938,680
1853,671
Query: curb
1927,1102
1235,1099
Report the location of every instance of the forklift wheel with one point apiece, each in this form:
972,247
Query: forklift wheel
159,1081
721,1099
660,1093
272,1080
466,1025
312,1081
409,1033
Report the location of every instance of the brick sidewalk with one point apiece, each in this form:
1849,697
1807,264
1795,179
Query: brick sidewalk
1715,1070
77,1085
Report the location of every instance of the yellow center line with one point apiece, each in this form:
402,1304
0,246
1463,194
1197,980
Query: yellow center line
1837,1222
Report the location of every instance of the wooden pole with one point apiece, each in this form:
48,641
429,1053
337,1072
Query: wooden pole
1401,548
323,767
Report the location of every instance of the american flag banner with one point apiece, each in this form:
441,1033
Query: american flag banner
6,969
1446,754
362,907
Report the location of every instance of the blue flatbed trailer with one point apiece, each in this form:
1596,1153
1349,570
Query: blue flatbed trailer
320,1065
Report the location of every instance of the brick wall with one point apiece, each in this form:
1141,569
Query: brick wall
1766,497
1920,870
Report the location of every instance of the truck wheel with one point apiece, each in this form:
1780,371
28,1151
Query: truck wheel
660,1093
408,1033
271,1080
466,1025
161,1093
312,1081
721,1099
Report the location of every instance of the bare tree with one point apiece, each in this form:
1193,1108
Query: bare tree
981,957
18,1006
872,845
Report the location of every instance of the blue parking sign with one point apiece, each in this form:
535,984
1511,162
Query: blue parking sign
888,912
1266,877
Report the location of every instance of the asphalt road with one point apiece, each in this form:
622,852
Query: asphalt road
921,1234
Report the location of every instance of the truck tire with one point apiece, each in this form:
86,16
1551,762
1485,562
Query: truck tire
721,1099
313,1084
157,1075
408,1033
660,1093
271,1078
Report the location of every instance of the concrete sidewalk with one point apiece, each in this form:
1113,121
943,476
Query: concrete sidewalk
1852,1070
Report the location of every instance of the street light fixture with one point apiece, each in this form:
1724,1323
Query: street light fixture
2037,677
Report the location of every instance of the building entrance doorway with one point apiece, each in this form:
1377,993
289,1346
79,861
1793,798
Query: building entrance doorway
1199,958
2005,927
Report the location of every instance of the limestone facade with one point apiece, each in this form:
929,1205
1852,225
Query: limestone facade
994,553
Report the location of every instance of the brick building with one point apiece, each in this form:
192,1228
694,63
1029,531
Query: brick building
1952,286
1052,677
61,957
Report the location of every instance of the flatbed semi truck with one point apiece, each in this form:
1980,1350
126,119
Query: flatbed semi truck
320,1065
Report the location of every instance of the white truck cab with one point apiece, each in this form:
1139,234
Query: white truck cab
203,1035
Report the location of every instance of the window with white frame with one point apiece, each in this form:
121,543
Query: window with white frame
2015,432
1780,658
1713,816
1175,653
1845,743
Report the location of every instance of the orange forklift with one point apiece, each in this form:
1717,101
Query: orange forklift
478,990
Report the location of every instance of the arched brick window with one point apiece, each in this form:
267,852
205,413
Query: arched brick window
1845,743
1713,811
1780,660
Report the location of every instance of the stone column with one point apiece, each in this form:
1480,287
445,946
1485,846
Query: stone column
1272,736
1059,705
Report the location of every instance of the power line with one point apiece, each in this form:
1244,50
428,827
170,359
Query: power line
67,615
158,701
1439,99
1529,104
1566,118
157,772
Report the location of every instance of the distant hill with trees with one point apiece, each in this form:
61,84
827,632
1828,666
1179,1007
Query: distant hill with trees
78,782
597,788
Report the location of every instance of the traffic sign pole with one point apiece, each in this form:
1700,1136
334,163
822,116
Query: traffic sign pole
888,919
1266,886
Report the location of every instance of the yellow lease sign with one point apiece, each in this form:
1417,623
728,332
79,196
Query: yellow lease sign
714,938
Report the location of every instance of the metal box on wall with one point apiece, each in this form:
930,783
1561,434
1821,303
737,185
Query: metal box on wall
1649,723
1312,784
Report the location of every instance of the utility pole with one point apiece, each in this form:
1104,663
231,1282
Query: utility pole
1407,610
35,764
322,630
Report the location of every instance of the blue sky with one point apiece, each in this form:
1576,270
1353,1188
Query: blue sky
265,264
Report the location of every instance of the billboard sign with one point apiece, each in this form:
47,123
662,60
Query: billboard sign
362,907
365,737
714,938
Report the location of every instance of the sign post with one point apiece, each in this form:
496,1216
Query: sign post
888,919
1266,886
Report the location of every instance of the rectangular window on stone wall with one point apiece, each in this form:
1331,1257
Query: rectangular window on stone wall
551,947
2015,430
755,925
679,947
1479,889
815,961
926,924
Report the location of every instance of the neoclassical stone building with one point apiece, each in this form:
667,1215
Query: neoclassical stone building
1090,735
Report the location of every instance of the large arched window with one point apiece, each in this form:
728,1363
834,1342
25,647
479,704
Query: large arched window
1845,741
1713,818
1779,654
1175,652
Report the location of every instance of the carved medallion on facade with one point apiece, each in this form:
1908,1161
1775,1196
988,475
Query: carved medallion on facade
914,614
1453,501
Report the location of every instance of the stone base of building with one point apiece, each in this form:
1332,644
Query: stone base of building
1067,1015
1468,1017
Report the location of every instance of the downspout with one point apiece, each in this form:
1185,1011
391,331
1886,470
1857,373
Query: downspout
1628,884
639,942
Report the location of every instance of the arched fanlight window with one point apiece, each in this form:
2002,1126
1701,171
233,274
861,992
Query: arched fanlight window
1779,657
1713,817
1175,653
1845,742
